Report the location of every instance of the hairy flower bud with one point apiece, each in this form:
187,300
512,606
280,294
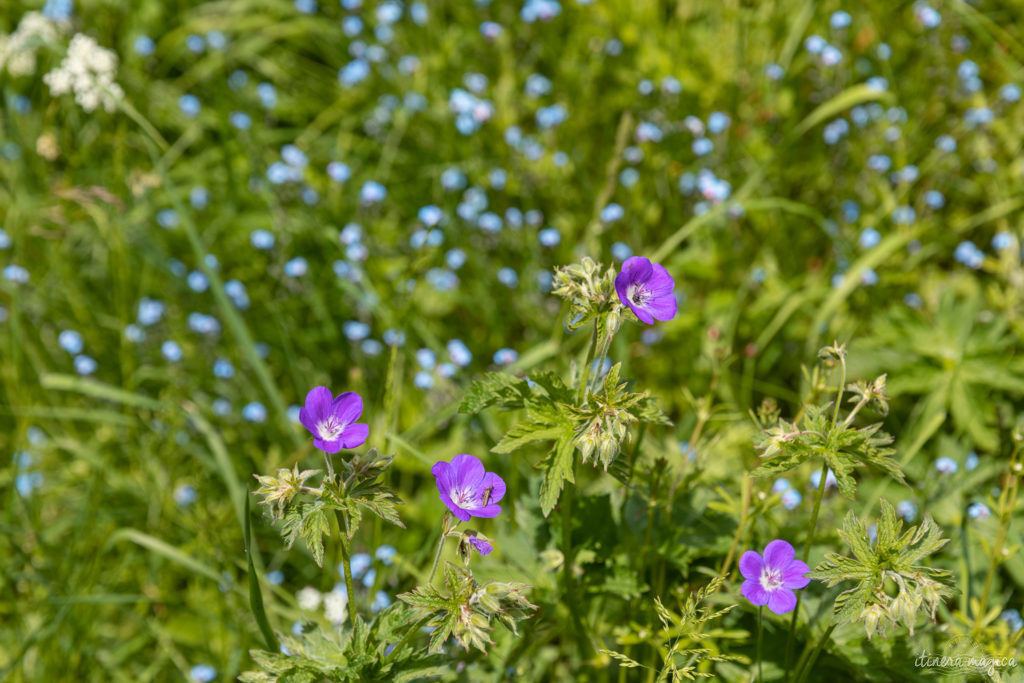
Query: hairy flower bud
871,615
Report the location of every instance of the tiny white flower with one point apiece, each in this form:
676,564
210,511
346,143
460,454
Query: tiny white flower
335,607
308,598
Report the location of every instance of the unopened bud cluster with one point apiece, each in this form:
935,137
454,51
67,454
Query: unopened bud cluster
590,292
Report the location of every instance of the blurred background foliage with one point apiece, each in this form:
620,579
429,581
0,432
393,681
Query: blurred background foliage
806,170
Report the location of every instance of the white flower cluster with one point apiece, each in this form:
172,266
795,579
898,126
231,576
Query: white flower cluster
18,50
335,603
88,70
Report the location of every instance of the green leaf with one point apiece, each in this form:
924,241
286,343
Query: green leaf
255,594
491,389
311,522
559,469
526,432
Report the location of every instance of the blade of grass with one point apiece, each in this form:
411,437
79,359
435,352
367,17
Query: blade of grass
255,594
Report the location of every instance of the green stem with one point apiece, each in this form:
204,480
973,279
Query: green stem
585,368
346,558
599,361
760,634
440,546
343,537
807,553
839,392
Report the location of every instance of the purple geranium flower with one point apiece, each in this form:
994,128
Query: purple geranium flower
772,579
332,421
467,489
482,546
647,289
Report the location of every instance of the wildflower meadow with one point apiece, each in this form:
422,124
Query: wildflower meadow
488,340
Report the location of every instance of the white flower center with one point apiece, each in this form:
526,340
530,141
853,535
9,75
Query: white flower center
771,579
464,498
638,294
330,429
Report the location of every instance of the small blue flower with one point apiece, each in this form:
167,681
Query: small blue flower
870,237
907,509
505,356
621,251
202,673
223,369
791,499
718,121
197,281
195,43
978,511
267,94
354,72
840,19
426,358
945,143
489,222
294,157
386,553
254,412
508,277
1002,240
262,239
946,465
927,15
189,105
70,341
423,380
296,267
774,72
459,353
702,146
372,192
381,600
612,212
1010,92
549,237
167,218
185,495
144,46
971,462
84,365
240,120
815,44
355,330
171,350
1013,618
934,199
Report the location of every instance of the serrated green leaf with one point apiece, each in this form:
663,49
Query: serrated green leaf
524,433
559,469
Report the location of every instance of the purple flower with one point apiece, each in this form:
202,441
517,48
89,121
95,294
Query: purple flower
467,489
332,420
772,579
482,546
647,289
